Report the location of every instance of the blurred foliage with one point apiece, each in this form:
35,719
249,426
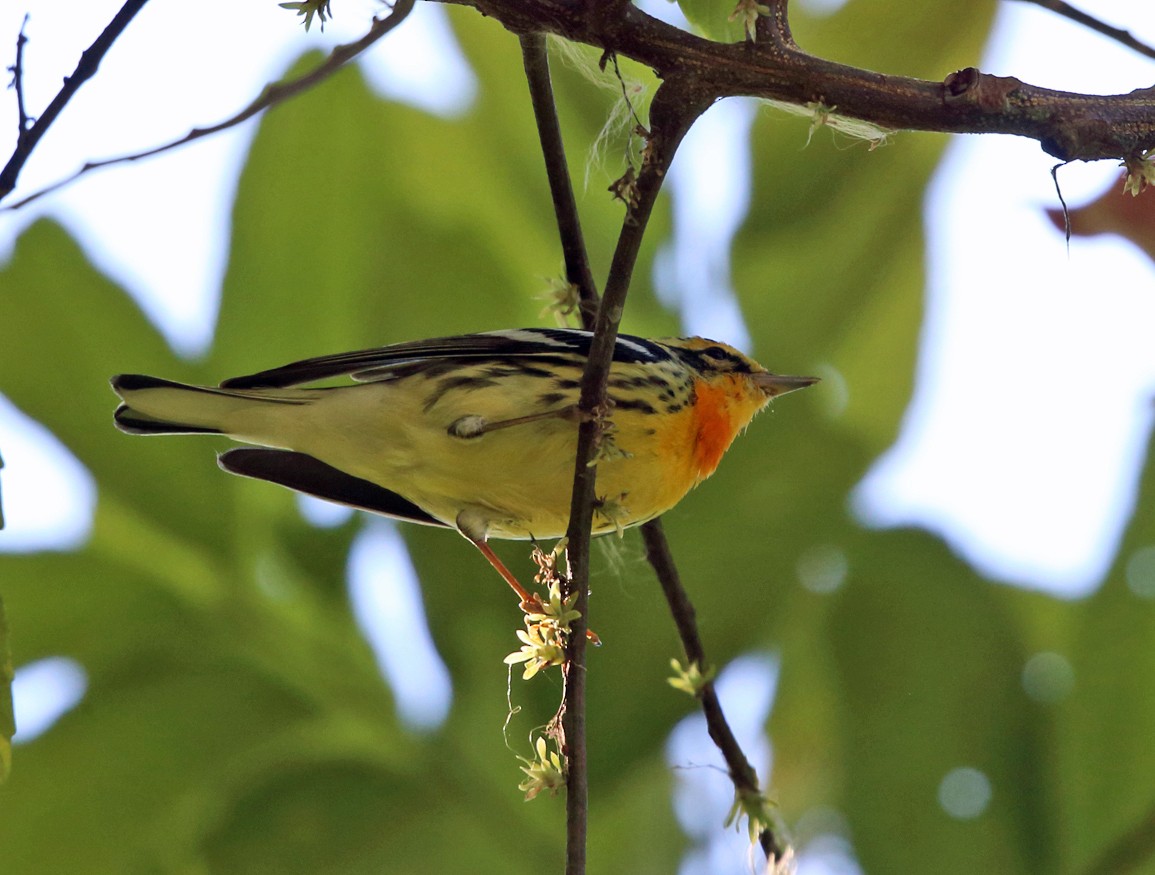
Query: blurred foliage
712,19
235,719
7,720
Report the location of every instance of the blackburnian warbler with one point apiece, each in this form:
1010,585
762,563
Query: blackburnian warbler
476,432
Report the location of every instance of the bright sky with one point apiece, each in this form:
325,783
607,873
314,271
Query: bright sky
1036,375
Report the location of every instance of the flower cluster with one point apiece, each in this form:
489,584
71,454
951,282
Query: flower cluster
309,8
1140,172
546,632
690,680
755,808
562,300
545,772
748,11
543,643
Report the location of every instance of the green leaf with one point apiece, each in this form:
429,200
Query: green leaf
75,330
1106,723
930,661
711,18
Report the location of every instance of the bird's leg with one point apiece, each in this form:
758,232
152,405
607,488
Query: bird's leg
474,426
471,524
530,602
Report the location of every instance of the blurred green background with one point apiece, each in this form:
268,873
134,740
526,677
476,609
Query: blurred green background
235,719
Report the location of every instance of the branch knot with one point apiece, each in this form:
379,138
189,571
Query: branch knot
971,86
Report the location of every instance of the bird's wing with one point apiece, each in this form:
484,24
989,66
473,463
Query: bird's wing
306,474
445,353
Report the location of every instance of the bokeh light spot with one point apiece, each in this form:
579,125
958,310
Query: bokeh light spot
1048,677
964,793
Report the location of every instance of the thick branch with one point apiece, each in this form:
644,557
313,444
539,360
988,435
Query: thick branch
1068,126
89,62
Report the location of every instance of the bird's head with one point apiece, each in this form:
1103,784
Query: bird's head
713,359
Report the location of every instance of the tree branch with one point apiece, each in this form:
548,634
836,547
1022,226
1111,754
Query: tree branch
17,71
1129,851
1068,126
577,266
1116,33
535,59
272,95
741,773
671,114
657,549
89,62
773,29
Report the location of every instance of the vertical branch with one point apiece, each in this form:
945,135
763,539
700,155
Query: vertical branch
17,71
535,59
577,267
773,27
672,113
665,137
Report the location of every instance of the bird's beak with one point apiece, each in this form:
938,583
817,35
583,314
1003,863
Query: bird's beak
779,384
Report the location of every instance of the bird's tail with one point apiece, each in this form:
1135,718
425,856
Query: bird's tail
155,406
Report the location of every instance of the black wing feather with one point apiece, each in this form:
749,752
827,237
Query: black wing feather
386,361
304,473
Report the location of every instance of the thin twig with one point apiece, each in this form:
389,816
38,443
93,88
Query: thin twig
1089,21
17,85
742,774
1063,201
745,780
577,266
535,59
272,95
625,91
671,114
89,62
1128,852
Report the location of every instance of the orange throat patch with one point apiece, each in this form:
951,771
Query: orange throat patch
722,408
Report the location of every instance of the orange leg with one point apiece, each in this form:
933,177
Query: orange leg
530,603
528,599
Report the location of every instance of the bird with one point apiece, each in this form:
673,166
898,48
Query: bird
475,432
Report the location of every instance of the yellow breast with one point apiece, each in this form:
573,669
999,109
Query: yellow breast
520,479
